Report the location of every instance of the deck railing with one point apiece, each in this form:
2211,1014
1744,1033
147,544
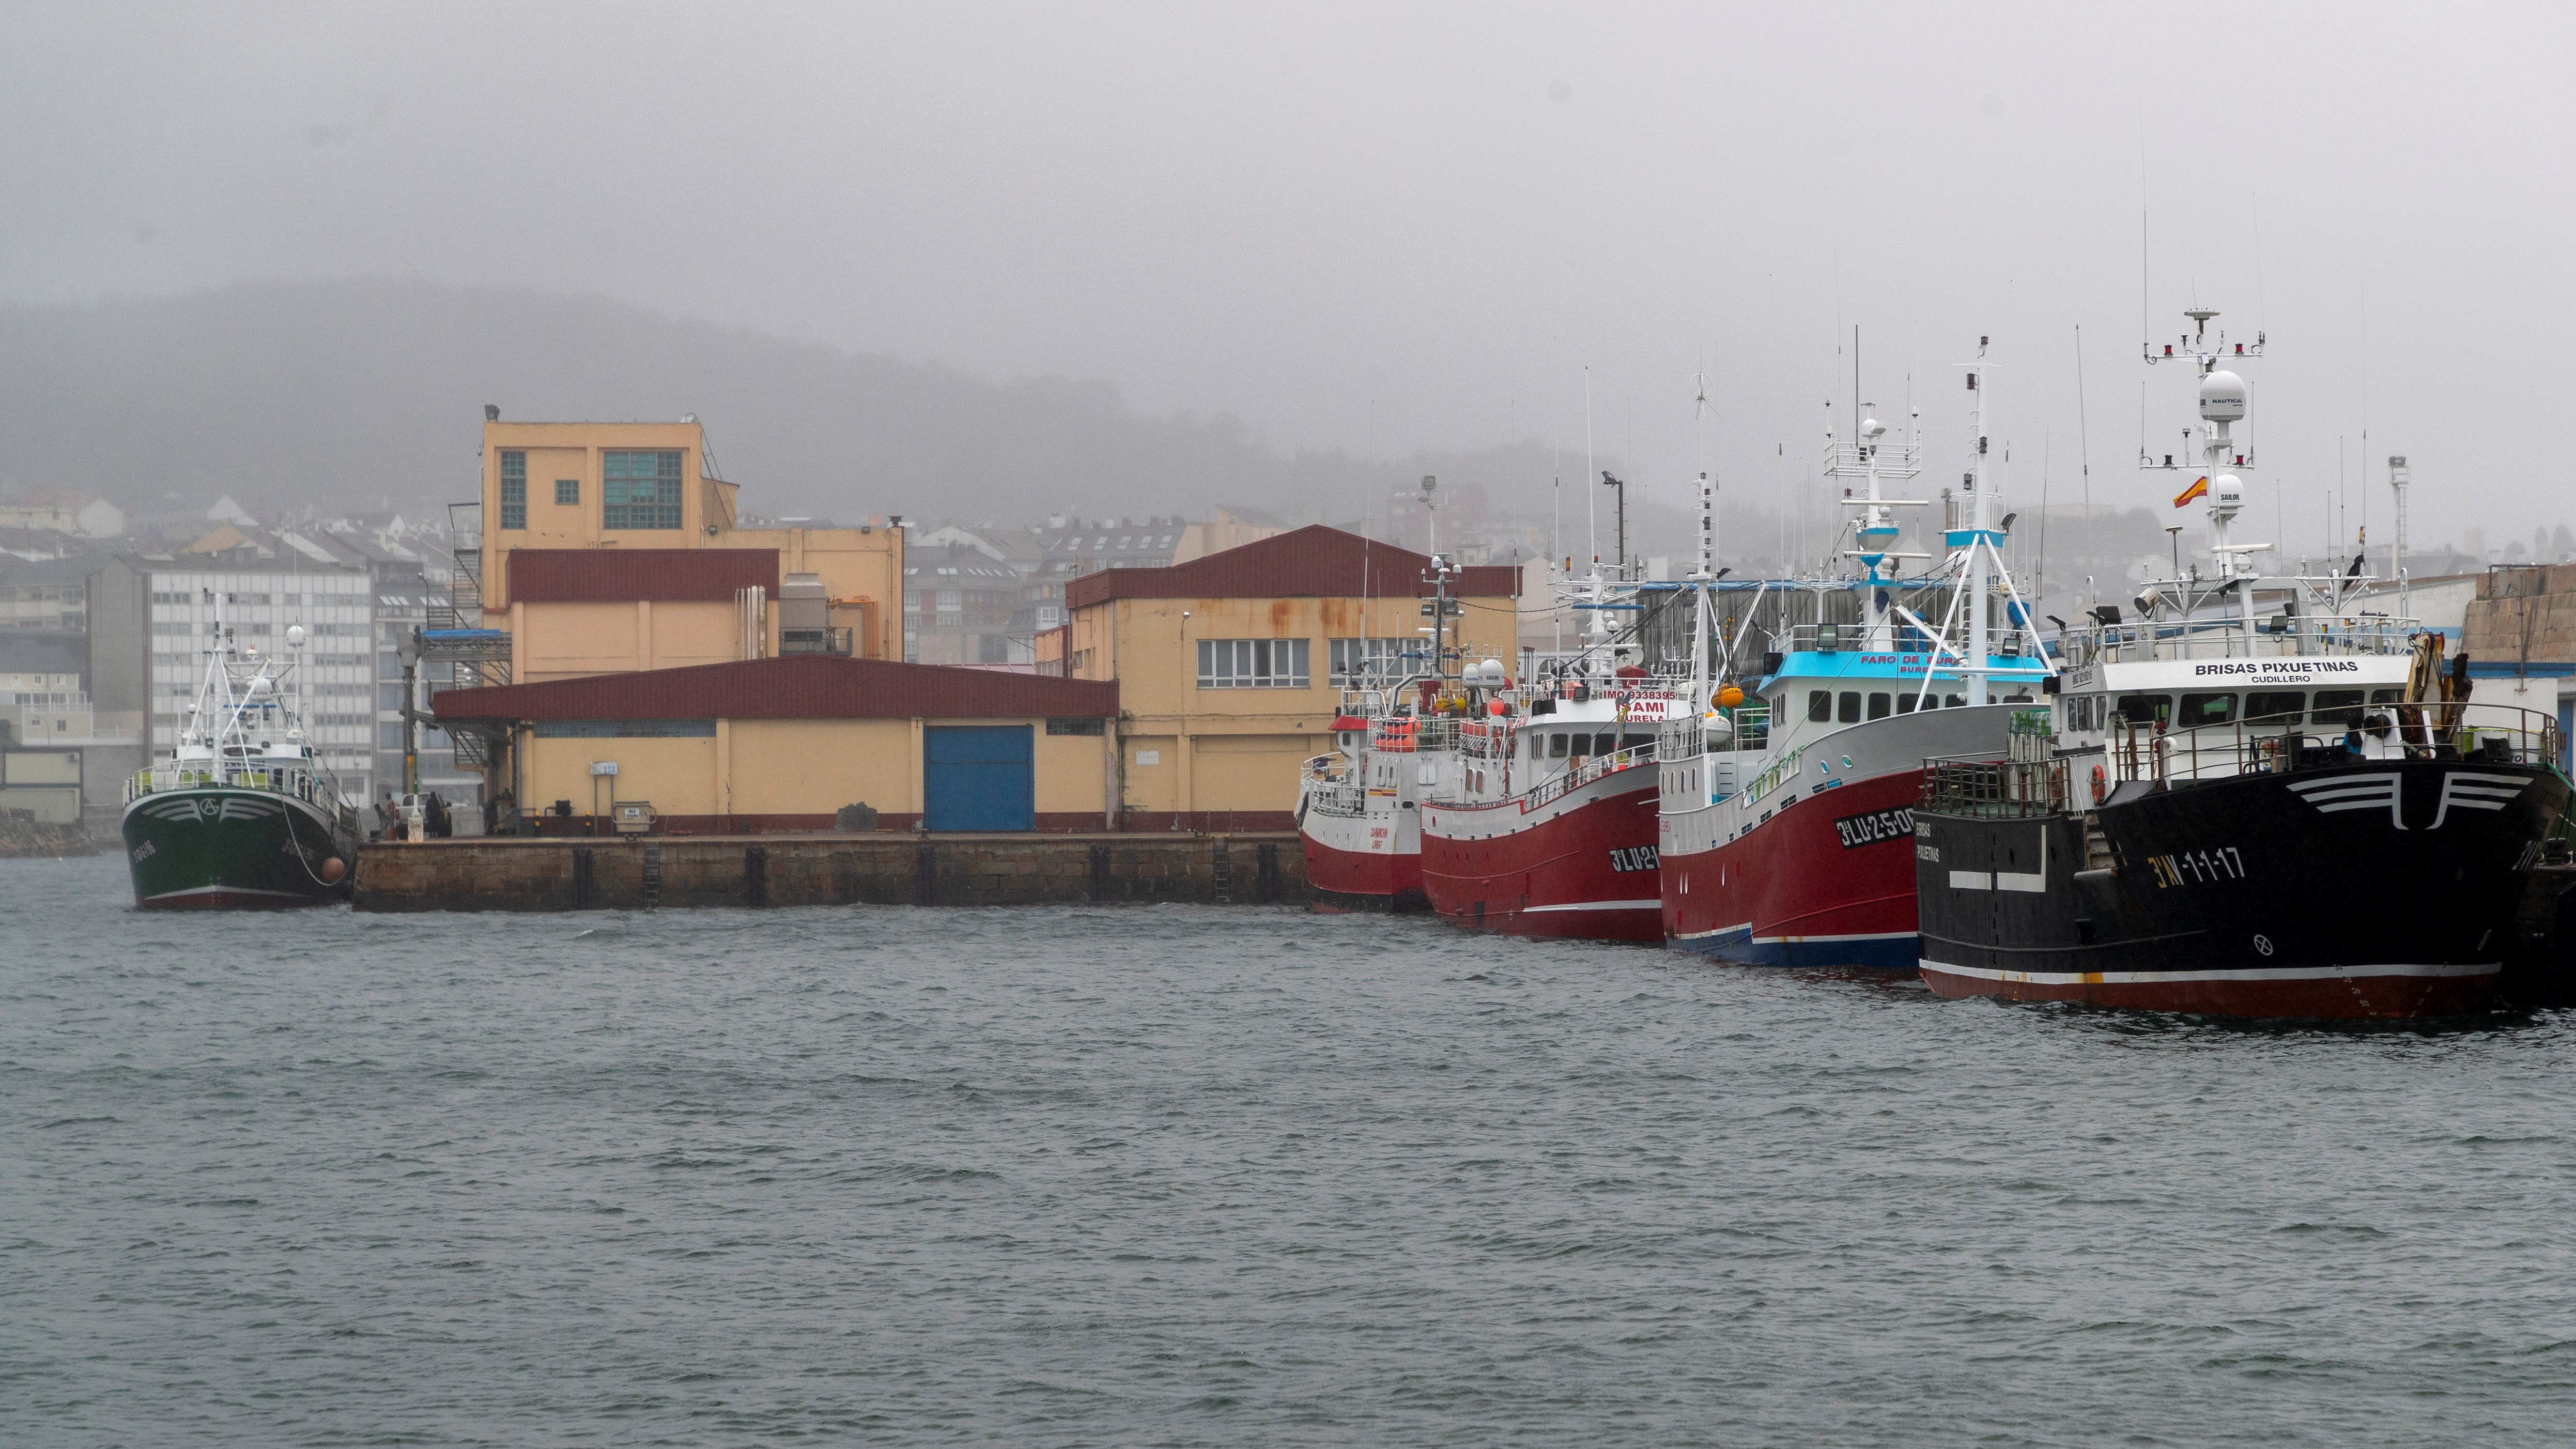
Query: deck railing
2152,639
302,784
1332,787
1993,786
1990,783
2496,733
1556,787
1405,733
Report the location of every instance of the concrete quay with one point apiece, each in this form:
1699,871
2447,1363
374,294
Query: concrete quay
499,873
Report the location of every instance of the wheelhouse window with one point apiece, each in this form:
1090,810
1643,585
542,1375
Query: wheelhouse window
2275,703
1820,706
2339,706
2144,709
514,488
641,490
1253,664
2205,709
1880,706
1847,707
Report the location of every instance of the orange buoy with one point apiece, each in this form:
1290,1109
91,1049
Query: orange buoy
333,869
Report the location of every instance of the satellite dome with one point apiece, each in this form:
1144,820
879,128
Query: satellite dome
294,636
2227,491
2222,397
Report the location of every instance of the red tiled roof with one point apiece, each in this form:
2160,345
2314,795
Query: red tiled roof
623,575
797,686
1314,562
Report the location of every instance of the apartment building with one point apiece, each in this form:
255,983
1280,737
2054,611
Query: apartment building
152,621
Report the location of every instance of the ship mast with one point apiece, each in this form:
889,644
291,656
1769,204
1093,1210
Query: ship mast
2222,406
1981,526
1870,460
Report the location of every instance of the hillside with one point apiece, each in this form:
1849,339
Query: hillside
332,393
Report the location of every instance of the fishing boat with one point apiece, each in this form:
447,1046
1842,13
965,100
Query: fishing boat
2250,798
243,815
1359,807
1786,826
1543,821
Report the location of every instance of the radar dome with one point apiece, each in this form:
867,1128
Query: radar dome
2222,397
294,636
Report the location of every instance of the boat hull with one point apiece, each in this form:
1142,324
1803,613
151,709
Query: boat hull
1582,866
1348,880
222,848
2386,889
1827,883
1820,872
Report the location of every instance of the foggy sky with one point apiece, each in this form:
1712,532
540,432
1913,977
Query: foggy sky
1380,228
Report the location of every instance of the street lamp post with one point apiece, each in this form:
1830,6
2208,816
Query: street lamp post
409,648
1619,486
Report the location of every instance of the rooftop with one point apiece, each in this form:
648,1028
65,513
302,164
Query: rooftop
797,686
1311,562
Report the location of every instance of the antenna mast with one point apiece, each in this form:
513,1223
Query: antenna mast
2398,477
1980,538
2222,404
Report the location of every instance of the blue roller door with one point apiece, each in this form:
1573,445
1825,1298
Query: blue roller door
979,778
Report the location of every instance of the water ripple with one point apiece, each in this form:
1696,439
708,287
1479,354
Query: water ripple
1177,1176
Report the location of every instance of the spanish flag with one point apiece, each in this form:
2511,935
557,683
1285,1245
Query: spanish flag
2197,490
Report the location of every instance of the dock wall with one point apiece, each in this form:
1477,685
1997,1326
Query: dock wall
553,874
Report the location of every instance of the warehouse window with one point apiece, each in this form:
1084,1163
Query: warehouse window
567,491
514,489
1073,726
626,729
1361,661
1252,664
641,490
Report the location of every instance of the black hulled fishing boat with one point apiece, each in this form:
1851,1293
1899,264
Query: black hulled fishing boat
243,815
2283,808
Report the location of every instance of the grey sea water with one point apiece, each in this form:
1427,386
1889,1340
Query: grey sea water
1208,1176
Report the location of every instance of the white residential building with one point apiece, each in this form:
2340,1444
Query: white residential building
152,621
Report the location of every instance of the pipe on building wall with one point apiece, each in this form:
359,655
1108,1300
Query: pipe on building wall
724,766
919,807
1113,774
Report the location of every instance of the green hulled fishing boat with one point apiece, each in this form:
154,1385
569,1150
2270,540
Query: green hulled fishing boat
243,816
